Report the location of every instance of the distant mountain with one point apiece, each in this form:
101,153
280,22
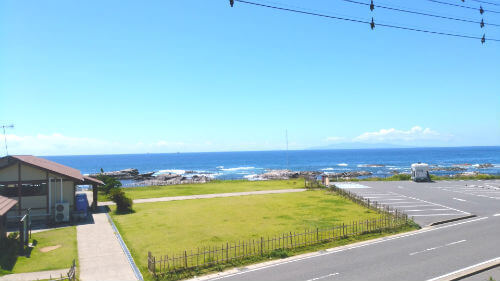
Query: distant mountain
359,145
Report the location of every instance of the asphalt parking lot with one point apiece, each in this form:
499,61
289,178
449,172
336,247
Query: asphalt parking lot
432,202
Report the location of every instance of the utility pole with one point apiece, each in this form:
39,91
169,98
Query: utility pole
5,136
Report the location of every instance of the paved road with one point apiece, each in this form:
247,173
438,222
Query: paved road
423,255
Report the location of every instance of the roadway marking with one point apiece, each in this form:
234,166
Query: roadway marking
435,215
496,215
336,250
437,247
413,206
433,203
400,187
462,200
443,277
322,277
426,210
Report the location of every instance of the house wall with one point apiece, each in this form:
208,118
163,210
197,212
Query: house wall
38,204
9,173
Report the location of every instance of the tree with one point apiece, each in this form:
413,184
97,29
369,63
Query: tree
110,183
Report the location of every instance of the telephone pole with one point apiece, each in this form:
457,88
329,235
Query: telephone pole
5,136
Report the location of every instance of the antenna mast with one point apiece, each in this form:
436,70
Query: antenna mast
286,136
5,136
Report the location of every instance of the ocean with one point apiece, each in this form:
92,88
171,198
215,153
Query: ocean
246,164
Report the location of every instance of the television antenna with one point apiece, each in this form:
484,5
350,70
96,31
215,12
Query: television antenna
5,136
286,136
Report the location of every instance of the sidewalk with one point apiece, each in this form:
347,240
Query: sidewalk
40,275
206,196
99,252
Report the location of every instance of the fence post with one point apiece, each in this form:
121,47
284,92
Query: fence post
261,245
227,252
154,266
317,234
185,260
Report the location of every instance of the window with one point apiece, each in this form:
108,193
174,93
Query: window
8,190
34,189
27,189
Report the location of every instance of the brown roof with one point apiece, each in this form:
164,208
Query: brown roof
6,204
49,165
91,180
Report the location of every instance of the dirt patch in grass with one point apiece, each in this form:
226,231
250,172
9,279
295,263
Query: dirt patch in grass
49,248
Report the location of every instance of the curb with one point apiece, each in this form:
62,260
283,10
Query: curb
469,271
136,270
452,220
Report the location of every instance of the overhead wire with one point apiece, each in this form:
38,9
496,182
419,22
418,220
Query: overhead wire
367,22
421,13
464,6
486,2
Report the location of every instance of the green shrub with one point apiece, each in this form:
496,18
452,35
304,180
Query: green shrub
123,203
8,254
110,183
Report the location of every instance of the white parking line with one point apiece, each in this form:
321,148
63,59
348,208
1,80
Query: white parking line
496,215
433,203
322,277
462,200
413,206
425,210
435,215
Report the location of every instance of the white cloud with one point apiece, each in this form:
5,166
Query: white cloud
414,134
58,144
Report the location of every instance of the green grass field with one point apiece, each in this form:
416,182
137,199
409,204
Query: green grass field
207,188
56,259
171,227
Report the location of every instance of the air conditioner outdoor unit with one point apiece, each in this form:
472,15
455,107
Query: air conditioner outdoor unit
62,212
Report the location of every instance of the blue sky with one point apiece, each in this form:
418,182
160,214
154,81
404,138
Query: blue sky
91,77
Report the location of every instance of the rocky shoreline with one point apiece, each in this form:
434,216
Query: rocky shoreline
189,177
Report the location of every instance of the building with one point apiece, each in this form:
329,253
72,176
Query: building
45,187
420,172
5,205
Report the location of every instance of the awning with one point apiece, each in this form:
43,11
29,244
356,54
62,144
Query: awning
6,204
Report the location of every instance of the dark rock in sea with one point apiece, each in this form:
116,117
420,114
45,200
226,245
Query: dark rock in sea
284,175
145,176
482,166
351,174
448,169
126,174
172,179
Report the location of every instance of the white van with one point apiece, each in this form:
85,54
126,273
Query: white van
420,172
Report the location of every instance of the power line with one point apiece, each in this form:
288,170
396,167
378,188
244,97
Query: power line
486,2
421,13
371,23
465,7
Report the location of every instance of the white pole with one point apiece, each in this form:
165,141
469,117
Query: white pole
50,197
61,191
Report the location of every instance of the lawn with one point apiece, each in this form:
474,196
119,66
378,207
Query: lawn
208,188
39,260
171,227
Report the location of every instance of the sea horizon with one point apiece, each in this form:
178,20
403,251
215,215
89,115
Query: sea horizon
380,162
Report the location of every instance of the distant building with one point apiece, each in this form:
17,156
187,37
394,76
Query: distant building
45,187
420,172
